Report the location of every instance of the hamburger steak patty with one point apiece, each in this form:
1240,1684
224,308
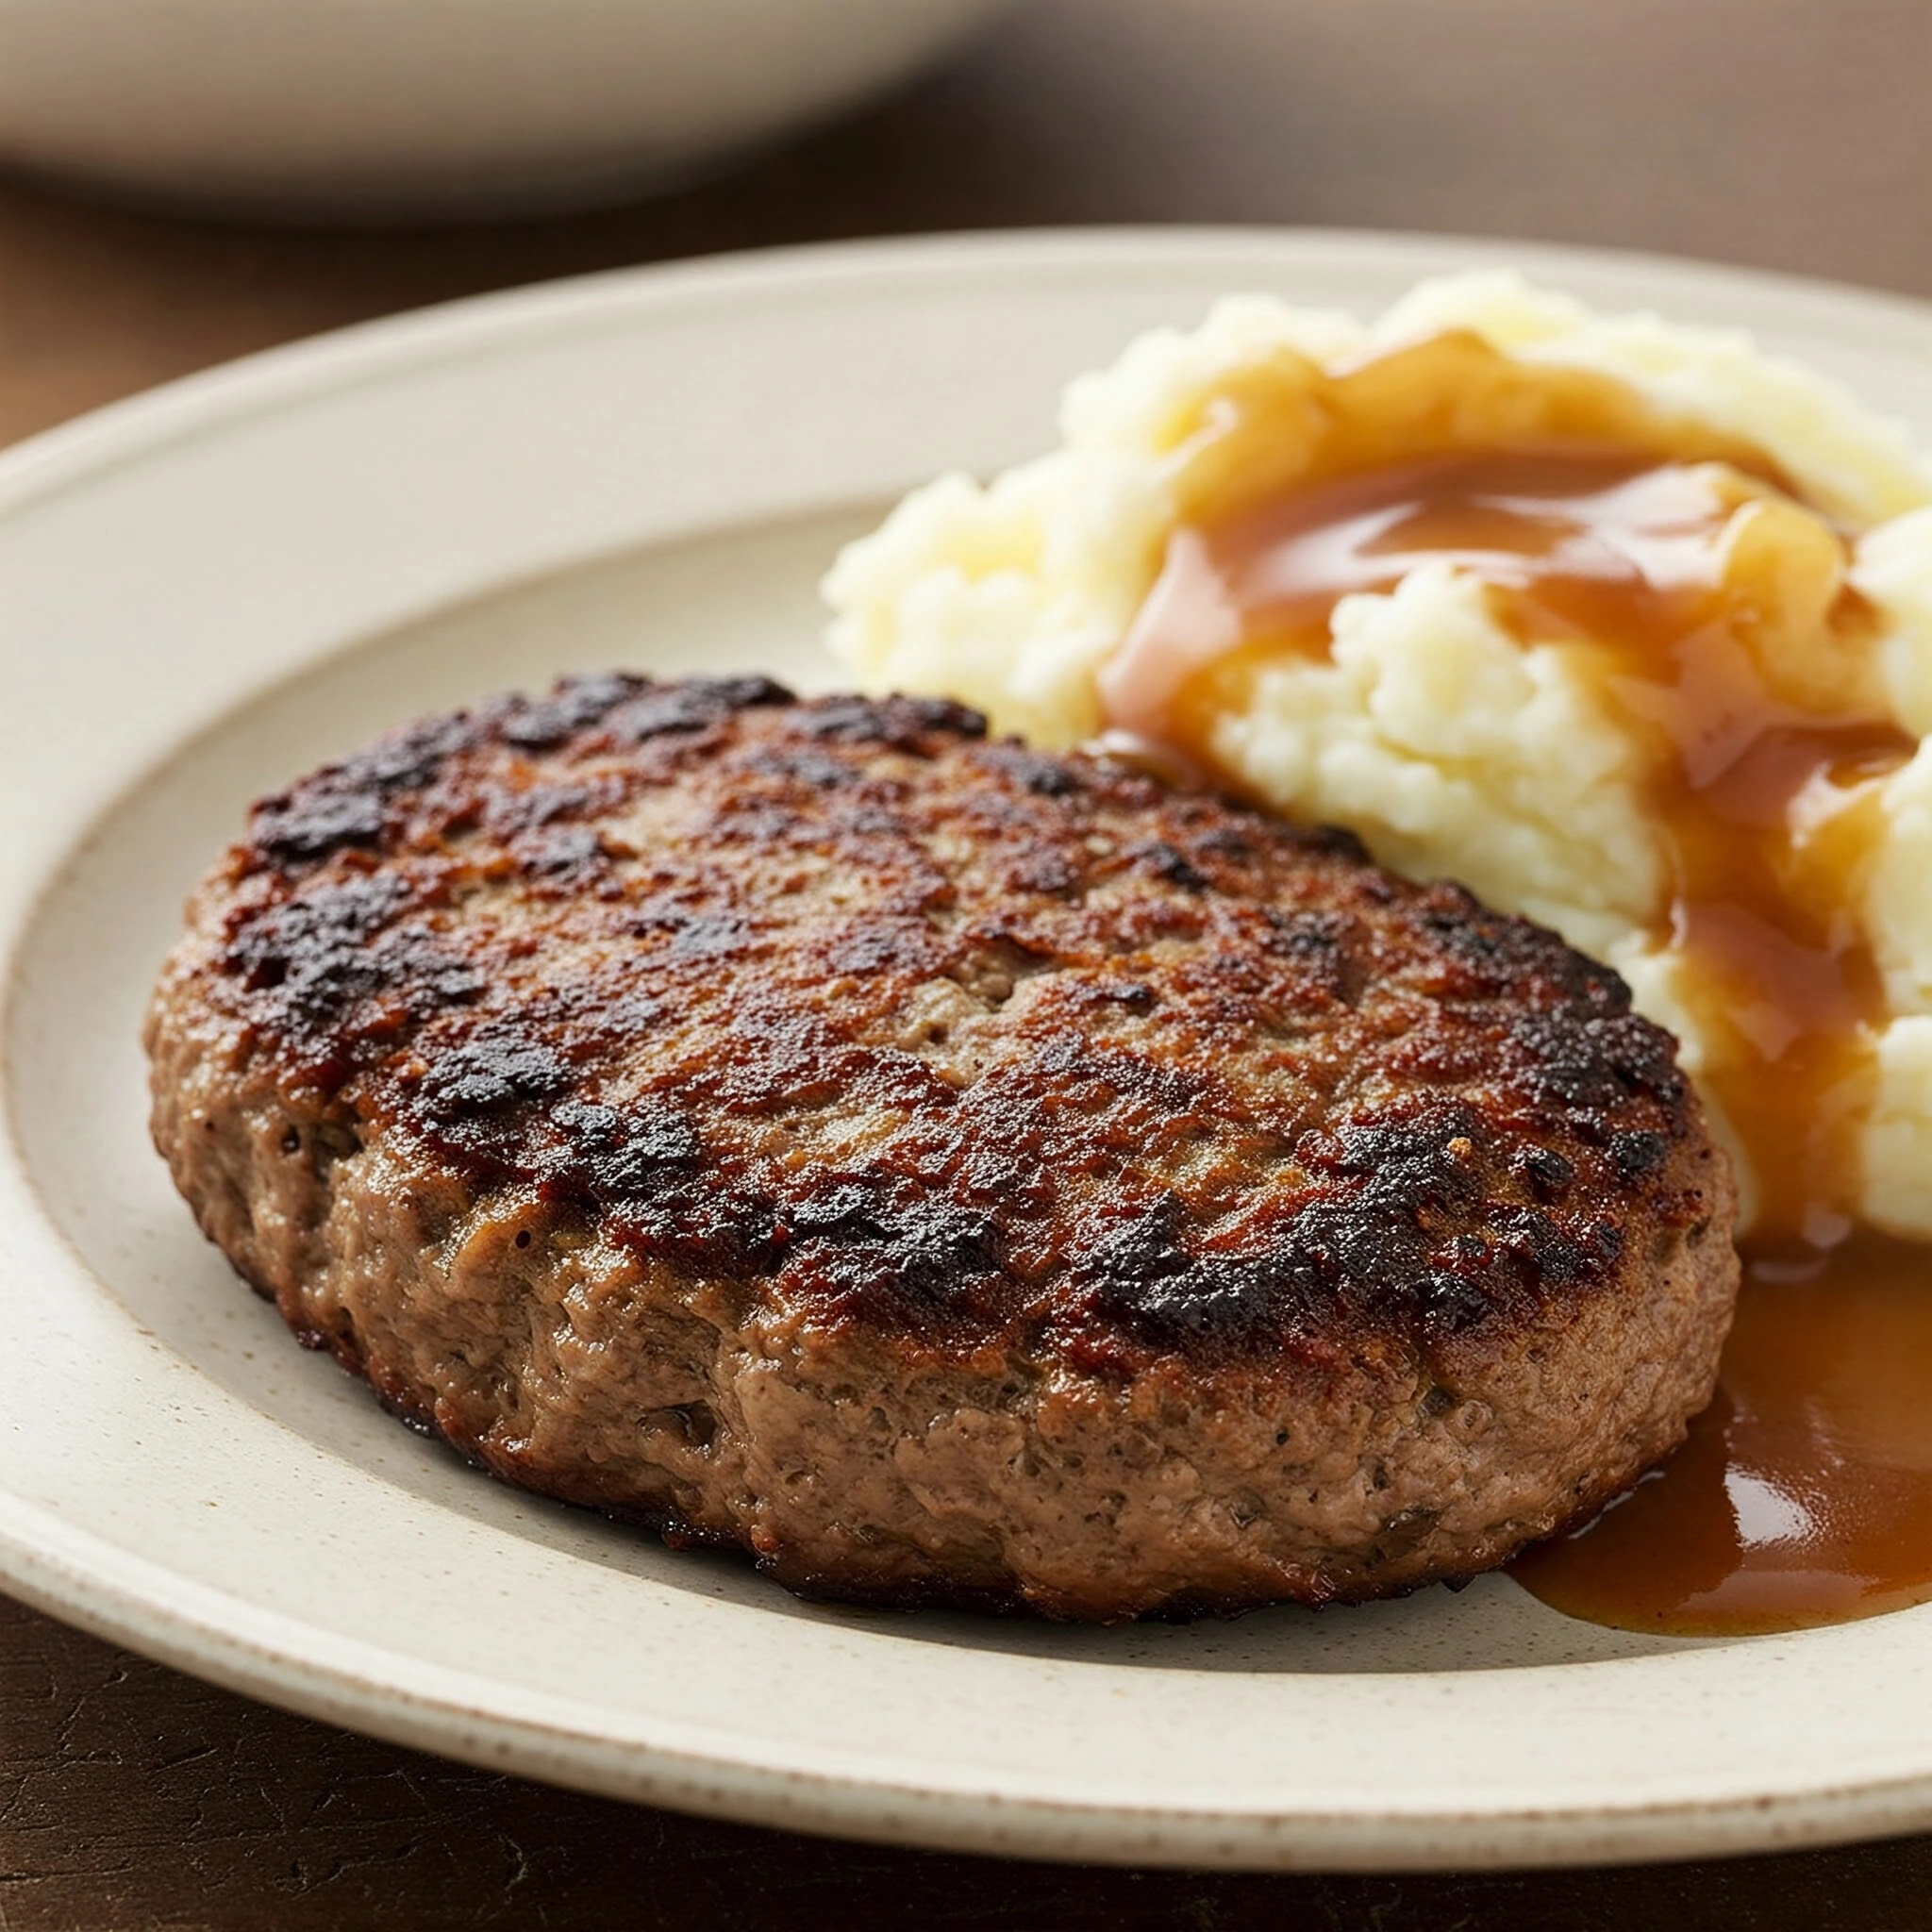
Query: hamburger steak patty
949,1173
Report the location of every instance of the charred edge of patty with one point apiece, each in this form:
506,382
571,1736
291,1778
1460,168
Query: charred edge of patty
1384,1236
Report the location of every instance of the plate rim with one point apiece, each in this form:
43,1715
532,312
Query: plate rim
85,1579
262,379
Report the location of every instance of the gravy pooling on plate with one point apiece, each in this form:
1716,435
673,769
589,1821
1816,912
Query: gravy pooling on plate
1804,1495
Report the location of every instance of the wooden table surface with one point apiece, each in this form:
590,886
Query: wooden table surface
1791,134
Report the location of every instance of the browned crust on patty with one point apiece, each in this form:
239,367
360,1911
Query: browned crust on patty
984,1126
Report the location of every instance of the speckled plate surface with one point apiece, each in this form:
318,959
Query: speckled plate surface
216,586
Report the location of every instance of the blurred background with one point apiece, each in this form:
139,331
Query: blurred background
1787,134
1784,134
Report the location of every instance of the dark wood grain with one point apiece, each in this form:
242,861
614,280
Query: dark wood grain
1787,134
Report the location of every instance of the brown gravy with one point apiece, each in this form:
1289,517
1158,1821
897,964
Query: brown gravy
1591,519
1804,1495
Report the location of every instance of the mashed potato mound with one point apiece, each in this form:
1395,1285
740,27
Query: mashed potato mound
1452,743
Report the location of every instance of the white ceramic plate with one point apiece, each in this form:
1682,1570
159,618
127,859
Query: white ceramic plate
214,586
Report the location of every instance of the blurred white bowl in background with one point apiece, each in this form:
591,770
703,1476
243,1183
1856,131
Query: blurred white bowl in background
398,110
